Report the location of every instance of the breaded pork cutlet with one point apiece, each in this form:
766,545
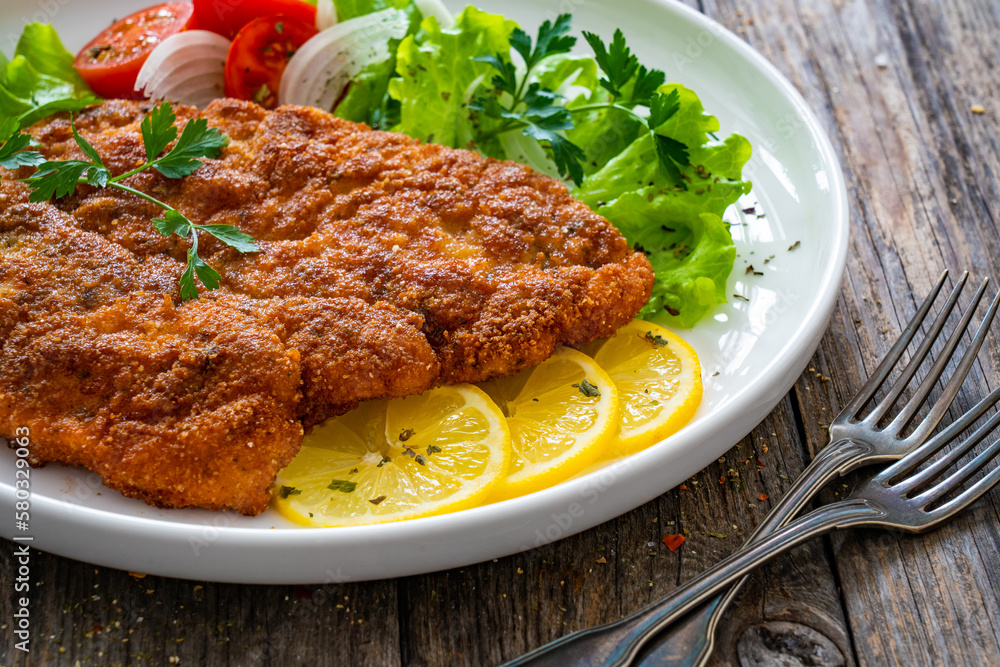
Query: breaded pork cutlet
386,267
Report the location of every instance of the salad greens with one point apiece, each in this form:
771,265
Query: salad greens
39,80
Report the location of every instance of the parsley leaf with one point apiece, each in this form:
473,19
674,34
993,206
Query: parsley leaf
158,130
188,289
551,40
646,83
506,80
89,151
616,61
172,222
565,153
231,237
197,141
56,179
671,154
662,108
208,276
12,153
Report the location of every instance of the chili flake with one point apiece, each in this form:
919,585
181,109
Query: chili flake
674,542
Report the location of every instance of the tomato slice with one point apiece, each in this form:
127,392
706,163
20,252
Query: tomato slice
111,62
228,17
258,57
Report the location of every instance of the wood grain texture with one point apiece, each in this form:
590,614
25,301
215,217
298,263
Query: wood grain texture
893,83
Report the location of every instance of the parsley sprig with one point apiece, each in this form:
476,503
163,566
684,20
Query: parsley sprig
537,112
59,178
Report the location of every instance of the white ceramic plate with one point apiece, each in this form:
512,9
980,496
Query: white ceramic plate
751,351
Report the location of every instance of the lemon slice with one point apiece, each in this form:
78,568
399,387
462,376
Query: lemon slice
441,451
658,376
561,415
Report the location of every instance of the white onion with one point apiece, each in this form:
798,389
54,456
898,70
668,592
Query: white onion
326,14
320,70
436,9
188,68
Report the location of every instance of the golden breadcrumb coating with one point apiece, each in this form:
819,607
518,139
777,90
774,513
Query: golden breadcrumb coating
386,267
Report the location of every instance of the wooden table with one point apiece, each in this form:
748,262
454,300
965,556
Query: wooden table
909,92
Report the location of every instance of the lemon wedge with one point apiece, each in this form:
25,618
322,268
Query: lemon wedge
561,414
658,376
438,452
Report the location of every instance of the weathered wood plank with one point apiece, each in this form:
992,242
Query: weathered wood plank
907,133
99,616
893,84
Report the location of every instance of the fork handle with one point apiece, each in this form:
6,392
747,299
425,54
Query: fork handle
689,641
616,644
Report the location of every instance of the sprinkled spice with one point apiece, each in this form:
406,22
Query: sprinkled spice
656,339
286,491
740,296
795,245
353,470
385,459
376,501
421,459
406,435
587,389
674,542
409,452
433,449
342,485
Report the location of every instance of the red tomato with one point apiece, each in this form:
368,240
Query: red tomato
228,17
111,62
258,57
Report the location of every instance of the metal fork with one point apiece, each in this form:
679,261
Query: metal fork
855,441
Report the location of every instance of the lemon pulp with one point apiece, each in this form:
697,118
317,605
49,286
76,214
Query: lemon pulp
390,460
561,415
658,376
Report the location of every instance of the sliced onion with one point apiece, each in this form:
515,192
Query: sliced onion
436,9
188,68
320,70
326,14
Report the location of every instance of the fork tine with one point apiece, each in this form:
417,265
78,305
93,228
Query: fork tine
929,448
885,367
909,410
953,455
910,369
956,478
969,496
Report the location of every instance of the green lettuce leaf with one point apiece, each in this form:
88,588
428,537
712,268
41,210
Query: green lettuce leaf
681,230
438,78
349,9
367,99
40,79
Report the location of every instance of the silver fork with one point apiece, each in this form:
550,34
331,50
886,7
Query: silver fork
854,442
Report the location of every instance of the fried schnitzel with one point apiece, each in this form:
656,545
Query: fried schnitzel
386,267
